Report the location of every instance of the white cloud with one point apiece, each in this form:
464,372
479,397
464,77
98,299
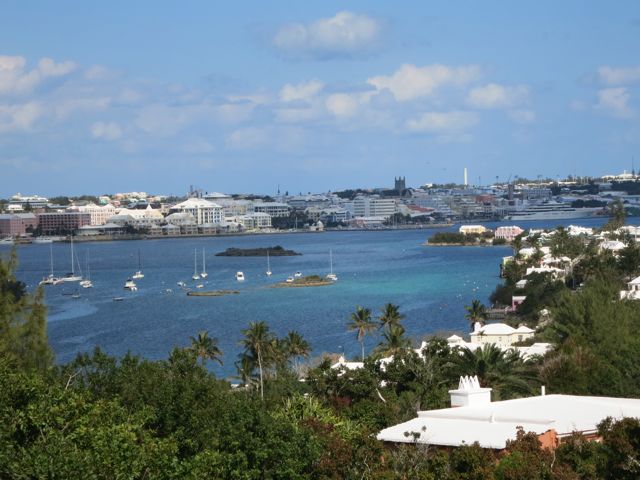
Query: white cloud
19,117
342,105
615,101
619,76
494,95
410,82
346,34
297,114
522,116
301,91
64,108
443,122
14,79
106,130
248,138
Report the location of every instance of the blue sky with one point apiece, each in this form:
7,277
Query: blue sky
99,97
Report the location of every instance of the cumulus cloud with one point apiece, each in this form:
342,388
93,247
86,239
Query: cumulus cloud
106,130
302,91
344,35
619,75
615,101
494,95
443,122
19,117
522,116
410,82
342,105
15,79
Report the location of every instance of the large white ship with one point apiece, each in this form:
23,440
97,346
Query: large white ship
552,211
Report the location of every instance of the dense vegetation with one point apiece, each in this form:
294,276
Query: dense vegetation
276,251
102,417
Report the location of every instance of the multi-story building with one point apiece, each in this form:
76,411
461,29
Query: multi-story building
15,225
255,220
203,211
100,214
62,222
374,207
20,202
273,209
509,233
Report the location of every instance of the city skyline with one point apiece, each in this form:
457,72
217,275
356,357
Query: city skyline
242,98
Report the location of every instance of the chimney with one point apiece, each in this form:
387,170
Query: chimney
469,393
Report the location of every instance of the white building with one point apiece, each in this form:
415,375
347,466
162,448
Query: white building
273,209
20,202
203,211
100,214
633,290
374,207
500,334
255,221
147,217
492,424
508,233
472,229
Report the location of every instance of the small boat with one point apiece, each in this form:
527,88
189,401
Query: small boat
138,275
118,299
130,285
268,265
297,274
181,284
239,276
331,276
195,266
51,279
200,285
290,280
43,240
75,295
86,283
204,273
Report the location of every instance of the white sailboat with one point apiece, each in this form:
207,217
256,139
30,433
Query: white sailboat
195,265
204,273
86,283
139,273
51,279
268,265
332,276
72,277
240,276
130,285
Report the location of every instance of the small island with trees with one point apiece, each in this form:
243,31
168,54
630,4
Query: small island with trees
445,239
307,281
276,251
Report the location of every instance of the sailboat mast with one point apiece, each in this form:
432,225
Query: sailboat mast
51,257
73,271
204,268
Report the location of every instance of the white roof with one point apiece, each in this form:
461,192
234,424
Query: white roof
492,424
196,203
495,329
635,281
524,329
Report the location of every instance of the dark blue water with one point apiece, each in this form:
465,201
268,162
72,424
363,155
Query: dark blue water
431,284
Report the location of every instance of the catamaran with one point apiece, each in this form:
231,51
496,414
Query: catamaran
332,276
86,283
139,273
50,279
72,277
204,273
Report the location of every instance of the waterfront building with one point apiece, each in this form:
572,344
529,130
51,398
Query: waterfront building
203,211
62,222
255,221
181,219
17,224
374,207
273,209
300,202
508,233
100,214
473,417
536,193
233,208
138,218
472,229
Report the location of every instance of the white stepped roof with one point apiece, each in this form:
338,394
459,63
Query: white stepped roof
496,329
493,424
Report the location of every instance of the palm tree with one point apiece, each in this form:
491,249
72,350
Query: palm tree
390,315
506,372
477,312
245,366
296,347
257,343
362,324
206,347
394,340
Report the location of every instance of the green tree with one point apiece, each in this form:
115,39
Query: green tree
361,322
390,315
205,347
296,346
257,342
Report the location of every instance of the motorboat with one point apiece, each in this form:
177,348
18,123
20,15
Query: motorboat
297,274
289,280
181,284
239,276
130,285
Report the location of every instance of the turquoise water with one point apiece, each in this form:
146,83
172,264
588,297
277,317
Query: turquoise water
431,284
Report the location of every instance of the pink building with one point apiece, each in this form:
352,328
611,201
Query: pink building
15,225
508,233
